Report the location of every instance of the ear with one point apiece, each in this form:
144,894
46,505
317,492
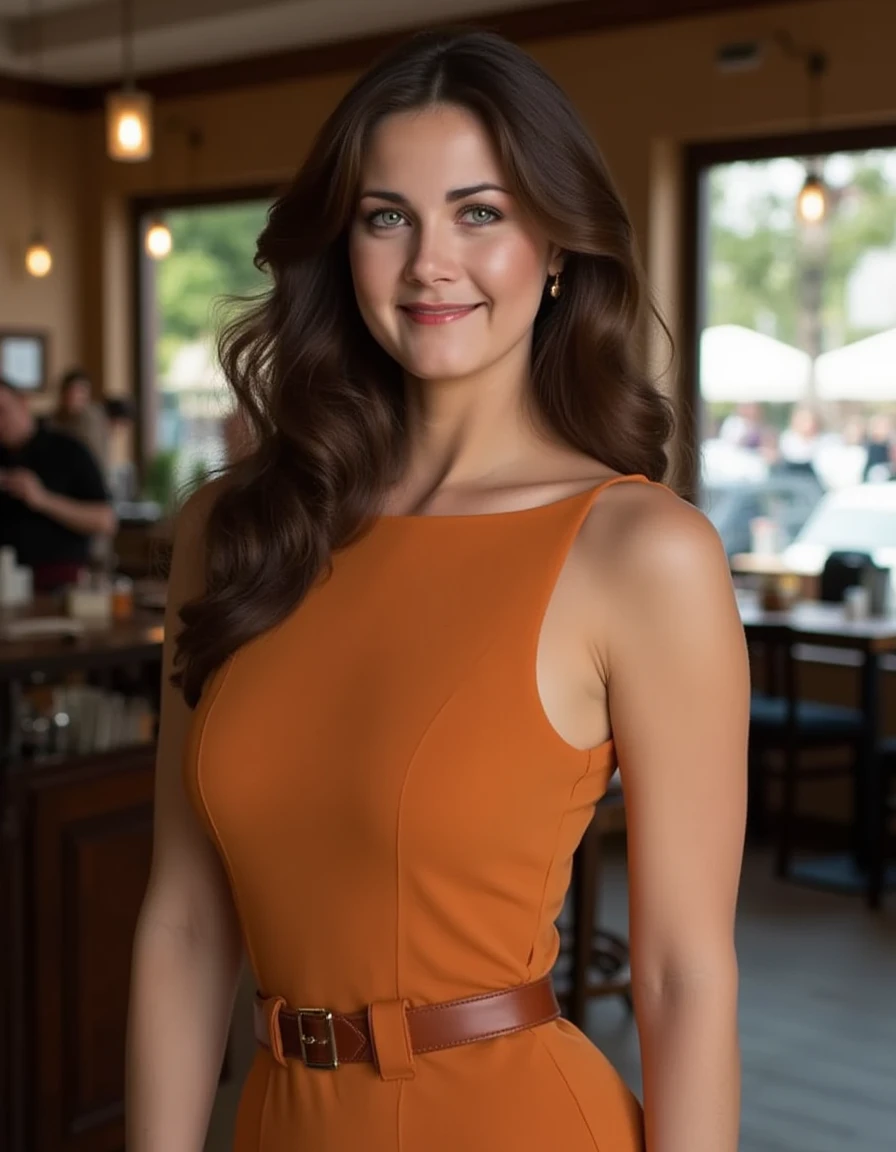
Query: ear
556,261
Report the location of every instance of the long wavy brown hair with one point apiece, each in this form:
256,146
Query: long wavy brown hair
326,403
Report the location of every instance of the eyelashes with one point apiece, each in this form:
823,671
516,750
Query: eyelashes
378,220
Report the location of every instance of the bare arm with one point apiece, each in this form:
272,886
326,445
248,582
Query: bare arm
187,948
678,684
89,517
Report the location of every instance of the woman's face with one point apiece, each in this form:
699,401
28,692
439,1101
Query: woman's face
448,273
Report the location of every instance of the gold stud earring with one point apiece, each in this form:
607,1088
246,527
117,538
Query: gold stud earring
555,287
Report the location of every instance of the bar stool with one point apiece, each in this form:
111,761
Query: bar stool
598,959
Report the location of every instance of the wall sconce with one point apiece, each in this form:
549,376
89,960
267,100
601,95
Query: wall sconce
128,110
158,240
38,259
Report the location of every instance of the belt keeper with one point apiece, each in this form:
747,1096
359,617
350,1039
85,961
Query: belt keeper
271,1009
391,1040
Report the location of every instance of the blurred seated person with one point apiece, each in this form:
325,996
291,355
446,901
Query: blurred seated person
52,495
78,414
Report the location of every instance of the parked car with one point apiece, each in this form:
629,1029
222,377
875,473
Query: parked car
787,497
857,519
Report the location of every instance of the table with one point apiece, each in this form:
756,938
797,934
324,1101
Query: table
826,624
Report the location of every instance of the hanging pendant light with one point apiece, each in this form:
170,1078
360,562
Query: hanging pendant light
158,241
128,109
812,201
38,258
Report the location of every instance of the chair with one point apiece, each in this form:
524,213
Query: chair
842,570
598,959
785,723
885,812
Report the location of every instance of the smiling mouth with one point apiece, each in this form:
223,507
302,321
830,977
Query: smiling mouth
438,314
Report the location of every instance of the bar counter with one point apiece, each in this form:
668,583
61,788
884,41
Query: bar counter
75,844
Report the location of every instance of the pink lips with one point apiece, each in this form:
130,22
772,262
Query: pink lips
437,313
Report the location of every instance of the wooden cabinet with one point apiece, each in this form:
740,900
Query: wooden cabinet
76,854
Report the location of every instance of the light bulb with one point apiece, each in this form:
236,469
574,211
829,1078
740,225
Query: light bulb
158,240
812,202
38,260
129,132
129,124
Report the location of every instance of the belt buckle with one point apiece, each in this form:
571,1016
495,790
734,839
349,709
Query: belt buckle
324,1014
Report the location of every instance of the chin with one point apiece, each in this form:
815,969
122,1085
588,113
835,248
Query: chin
441,368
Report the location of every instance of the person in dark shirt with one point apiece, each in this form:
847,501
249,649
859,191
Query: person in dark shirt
52,495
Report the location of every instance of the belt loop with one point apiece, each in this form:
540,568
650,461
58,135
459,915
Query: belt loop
390,1039
271,1008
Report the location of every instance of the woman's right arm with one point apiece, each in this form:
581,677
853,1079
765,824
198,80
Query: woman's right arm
187,948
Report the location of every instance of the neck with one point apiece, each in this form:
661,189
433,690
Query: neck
464,431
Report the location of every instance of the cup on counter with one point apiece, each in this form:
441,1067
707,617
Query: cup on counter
764,536
857,602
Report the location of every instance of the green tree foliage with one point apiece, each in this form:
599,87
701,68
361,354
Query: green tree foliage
757,252
211,259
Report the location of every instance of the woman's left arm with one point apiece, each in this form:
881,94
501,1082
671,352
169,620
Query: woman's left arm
678,684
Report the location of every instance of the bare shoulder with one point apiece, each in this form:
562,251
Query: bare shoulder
193,514
186,578
644,538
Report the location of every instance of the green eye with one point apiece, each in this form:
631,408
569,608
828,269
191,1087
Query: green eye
481,214
385,218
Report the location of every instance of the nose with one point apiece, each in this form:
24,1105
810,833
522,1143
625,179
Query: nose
432,258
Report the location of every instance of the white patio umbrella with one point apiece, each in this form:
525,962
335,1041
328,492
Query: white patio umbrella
865,370
739,365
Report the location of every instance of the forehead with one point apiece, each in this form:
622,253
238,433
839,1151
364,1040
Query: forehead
430,149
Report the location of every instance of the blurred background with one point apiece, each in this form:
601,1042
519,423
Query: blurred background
141,144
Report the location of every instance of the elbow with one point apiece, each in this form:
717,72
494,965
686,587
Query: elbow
109,521
708,978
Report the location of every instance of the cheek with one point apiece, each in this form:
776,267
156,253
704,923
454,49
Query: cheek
373,267
512,269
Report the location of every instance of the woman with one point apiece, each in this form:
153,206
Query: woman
439,598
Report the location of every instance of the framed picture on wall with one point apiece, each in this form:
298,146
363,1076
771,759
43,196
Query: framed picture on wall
23,359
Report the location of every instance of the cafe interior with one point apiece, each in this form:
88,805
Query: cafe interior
141,145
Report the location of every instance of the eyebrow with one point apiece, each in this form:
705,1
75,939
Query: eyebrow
450,197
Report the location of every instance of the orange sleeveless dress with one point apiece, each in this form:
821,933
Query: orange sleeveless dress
397,817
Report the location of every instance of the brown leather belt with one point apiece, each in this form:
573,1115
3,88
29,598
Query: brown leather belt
323,1039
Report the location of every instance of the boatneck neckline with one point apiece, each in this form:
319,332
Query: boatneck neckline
502,513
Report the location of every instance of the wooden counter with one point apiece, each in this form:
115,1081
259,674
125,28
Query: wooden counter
74,861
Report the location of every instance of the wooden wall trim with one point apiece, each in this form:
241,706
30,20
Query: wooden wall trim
568,18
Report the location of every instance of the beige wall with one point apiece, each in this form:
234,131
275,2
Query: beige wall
55,303
644,91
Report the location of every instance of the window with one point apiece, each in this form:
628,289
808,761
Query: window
186,403
797,343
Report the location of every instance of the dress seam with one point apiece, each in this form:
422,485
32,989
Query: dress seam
552,858
569,1089
219,844
263,1115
